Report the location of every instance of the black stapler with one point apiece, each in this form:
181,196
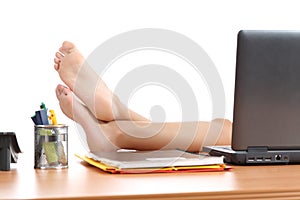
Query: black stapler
9,149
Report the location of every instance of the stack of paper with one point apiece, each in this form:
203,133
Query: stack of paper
154,161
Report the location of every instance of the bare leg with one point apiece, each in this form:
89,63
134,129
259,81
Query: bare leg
72,108
142,135
89,87
191,136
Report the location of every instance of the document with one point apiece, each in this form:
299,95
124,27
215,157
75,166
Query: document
154,161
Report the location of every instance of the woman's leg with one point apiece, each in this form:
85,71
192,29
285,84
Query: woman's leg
142,135
191,136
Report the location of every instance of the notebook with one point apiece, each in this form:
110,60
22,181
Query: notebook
266,117
154,161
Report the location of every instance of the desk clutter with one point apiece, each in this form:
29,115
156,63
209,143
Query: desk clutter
50,140
161,161
9,149
43,116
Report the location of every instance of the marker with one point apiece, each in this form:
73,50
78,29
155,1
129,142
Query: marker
52,117
41,117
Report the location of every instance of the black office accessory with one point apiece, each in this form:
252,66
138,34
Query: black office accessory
266,118
9,150
40,117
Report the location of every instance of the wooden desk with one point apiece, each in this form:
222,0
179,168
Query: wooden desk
84,181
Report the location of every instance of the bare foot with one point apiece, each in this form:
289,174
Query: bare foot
94,129
67,63
84,81
89,87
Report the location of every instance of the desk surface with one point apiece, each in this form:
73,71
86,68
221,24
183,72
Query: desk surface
82,180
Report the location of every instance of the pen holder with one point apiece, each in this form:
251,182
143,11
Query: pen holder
50,146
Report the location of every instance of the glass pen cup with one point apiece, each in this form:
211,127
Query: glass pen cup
50,146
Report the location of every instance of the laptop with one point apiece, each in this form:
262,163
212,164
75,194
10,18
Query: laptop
266,116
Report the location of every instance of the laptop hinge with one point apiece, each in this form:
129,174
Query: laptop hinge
257,149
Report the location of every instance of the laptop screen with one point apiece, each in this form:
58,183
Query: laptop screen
267,90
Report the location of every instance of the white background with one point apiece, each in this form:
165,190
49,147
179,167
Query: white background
32,31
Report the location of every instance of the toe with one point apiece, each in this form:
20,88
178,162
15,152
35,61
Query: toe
57,61
58,92
67,47
61,91
56,64
58,55
56,67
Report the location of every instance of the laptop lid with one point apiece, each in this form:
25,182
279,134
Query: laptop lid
267,90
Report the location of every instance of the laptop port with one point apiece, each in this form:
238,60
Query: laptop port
259,159
268,159
250,159
277,157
